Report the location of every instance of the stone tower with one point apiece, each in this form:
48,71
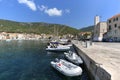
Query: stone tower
96,20
100,28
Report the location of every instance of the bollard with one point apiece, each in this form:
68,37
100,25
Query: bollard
90,43
87,44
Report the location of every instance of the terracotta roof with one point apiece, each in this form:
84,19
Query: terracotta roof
115,16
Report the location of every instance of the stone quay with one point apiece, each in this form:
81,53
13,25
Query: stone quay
101,59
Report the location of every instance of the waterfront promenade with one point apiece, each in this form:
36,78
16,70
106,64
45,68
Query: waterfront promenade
107,55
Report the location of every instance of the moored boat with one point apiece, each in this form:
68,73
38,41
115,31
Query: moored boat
73,57
69,45
64,41
57,48
66,68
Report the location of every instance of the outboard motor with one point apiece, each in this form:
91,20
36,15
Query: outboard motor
48,44
57,60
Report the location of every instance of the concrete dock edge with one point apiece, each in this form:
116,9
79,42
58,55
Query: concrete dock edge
96,72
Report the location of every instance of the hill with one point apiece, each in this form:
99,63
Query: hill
35,27
87,29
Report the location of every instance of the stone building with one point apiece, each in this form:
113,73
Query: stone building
113,28
99,29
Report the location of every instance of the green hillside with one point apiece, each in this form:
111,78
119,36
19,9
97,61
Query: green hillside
87,29
35,27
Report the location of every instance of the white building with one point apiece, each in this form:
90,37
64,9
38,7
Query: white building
113,28
99,29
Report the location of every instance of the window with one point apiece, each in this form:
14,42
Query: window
119,27
109,27
117,19
115,25
113,19
109,21
115,31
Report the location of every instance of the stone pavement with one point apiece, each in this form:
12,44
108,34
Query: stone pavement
106,54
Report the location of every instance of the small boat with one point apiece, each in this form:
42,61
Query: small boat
8,40
73,57
63,41
66,68
57,48
69,45
53,41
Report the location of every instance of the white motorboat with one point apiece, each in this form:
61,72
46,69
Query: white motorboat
57,48
53,41
66,68
73,57
63,41
69,45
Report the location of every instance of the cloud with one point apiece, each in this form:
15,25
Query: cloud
29,3
53,12
50,11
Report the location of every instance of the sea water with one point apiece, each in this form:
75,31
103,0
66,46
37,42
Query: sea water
28,60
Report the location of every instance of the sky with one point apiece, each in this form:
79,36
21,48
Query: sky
74,13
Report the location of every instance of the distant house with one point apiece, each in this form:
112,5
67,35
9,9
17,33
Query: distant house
113,28
85,35
99,29
13,36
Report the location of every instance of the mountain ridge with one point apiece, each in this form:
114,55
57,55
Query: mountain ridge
35,27
87,29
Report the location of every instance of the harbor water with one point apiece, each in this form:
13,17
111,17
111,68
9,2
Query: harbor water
28,60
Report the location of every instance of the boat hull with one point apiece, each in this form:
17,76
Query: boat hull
76,61
58,49
76,72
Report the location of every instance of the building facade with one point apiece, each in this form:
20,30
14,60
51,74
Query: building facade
100,28
113,28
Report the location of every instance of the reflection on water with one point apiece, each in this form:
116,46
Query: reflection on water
28,60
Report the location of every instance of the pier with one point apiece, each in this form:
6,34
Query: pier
101,59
